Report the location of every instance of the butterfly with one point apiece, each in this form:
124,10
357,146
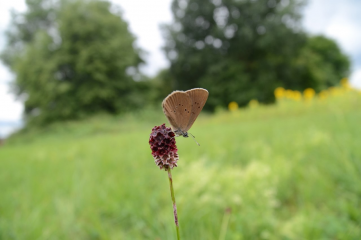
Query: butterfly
183,107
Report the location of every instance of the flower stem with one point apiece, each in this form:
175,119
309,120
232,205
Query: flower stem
173,200
226,216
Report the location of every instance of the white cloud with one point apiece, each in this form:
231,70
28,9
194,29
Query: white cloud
335,19
355,78
144,18
347,31
317,14
10,108
6,130
5,75
5,7
339,20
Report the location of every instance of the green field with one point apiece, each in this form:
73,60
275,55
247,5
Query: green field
285,171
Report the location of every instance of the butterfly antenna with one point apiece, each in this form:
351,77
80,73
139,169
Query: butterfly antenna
194,138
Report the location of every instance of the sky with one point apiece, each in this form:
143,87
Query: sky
339,20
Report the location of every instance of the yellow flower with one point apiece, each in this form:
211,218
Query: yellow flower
279,92
335,91
297,95
323,94
289,94
308,93
233,106
345,83
253,103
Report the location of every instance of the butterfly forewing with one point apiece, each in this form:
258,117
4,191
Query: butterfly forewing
177,108
198,98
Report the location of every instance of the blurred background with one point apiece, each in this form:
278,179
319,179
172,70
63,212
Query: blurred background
160,36
81,85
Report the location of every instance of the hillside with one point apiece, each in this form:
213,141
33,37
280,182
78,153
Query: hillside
286,171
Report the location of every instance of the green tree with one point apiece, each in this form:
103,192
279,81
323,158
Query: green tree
240,50
160,86
321,64
72,58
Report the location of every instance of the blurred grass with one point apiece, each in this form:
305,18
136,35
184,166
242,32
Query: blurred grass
287,171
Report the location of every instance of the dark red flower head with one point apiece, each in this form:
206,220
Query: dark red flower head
162,144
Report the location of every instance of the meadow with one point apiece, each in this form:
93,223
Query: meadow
286,171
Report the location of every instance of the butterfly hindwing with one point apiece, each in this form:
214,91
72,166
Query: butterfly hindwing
198,98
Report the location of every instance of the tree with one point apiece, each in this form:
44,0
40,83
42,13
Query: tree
160,86
321,64
239,50
72,58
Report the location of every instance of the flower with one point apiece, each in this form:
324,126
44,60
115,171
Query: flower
232,106
297,95
163,146
279,92
308,93
345,83
323,94
289,94
334,91
253,103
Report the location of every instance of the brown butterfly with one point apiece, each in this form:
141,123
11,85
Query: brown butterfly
182,109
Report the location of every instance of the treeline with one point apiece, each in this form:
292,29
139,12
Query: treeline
74,58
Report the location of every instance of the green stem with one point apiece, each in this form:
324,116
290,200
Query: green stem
173,200
226,216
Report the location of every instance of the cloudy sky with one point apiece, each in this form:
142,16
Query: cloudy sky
336,19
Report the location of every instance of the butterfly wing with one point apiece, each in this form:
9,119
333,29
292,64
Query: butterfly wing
177,107
198,98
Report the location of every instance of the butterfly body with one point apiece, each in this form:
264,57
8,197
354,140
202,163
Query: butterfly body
183,107
179,132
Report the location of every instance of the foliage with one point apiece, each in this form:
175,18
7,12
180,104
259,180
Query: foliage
243,50
96,179
72,58
160,86
320,64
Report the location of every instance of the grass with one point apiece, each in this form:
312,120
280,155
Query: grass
287,171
